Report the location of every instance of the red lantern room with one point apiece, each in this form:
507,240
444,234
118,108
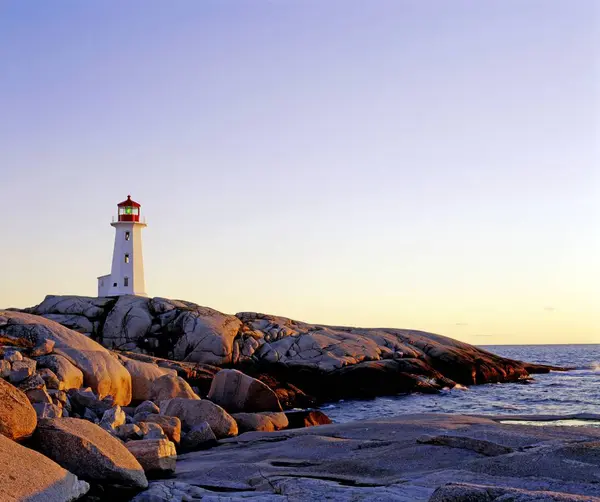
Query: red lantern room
129,210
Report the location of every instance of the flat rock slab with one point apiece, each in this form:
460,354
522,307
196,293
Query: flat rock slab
404,458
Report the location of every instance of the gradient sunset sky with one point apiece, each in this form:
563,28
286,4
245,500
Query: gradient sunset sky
416,164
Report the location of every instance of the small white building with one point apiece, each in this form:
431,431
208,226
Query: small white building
127,273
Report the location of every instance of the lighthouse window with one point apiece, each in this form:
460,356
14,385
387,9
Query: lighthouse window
126,281
126,258
127,236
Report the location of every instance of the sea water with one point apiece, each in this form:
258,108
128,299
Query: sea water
556,393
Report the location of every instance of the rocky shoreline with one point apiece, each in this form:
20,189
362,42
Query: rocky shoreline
101,396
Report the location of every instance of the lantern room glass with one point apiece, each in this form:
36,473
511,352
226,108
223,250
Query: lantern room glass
129,210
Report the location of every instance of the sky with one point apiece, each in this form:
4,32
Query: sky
416,164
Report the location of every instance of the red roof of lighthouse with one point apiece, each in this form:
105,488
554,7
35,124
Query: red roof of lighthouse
128,202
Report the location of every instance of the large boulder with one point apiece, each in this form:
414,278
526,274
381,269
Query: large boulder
157,456
143,376
235,391
193,412
66,372
101,370
89,452
18,418
27,475
169,387
262,422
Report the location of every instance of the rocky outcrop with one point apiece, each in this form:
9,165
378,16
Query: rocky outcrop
26,475
101,370
18,418
89,452
193,412
328,362
235,391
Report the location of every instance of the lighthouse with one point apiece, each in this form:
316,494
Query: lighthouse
127,274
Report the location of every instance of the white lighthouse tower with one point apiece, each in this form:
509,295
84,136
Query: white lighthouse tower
127,273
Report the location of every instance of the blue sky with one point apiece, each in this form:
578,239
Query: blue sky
419,164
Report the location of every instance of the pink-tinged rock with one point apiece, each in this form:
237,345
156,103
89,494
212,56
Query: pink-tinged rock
237,392
17,416
26,475
169,387
157,456
193,412
89,452
102,371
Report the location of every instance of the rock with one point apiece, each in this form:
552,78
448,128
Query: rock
102,371
142,377
43,348
112,418
90,415
201,437
151,431
302,363
160,491
50,379
193,412
128,431
21,370
17,416
66,372
59,396
25,362
463,492
5,368
487,448
89,452
383,459
169,387
263,422
235,391
306,418
171,426
47,410
13,356
85,398
147,407
86,306
127,323
33,382
29,476
157,456
38,396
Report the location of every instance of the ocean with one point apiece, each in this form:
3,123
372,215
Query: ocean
556,393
